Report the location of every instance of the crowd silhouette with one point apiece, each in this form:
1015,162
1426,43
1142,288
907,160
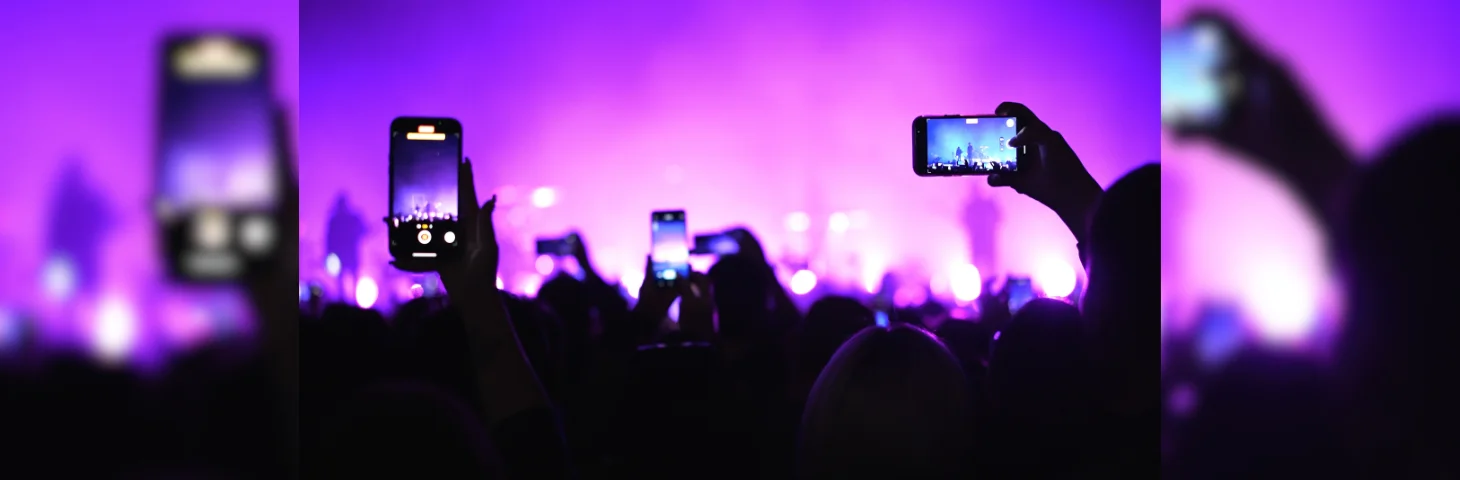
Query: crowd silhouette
578,382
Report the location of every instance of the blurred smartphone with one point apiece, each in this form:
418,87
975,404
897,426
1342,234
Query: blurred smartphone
669,251
216,177
954,145
425,163
1219,334
715,244
882,318
557,247
1192,92
1021,291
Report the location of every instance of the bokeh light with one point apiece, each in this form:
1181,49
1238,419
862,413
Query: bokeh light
366,292
839,222
966,282
798,222
58,278
114,331
332,265
1056,278
544,197
544,265
802,282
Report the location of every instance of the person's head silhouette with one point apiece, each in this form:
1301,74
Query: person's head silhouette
894,402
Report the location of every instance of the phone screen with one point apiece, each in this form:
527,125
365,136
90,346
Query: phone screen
882,319
216,181
670,247
717,244
1219,334
558,247
970,145
425,161
1191,90
1020,292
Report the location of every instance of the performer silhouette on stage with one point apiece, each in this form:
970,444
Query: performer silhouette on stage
343,240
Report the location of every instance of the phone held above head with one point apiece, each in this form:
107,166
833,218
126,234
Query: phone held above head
958,145
425,204
669,248
217,176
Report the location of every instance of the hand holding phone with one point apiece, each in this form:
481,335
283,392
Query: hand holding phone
426,166
556,247
716,244
669,247
218,174
956,145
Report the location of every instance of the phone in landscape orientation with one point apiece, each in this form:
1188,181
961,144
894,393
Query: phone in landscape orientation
425,165
557,247
954,145
216,184
1193,92
669,249
715,244
1021,291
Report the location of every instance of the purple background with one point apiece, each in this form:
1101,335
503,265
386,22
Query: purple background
738,112
81,80
1235,231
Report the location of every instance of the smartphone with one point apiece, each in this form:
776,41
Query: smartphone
716,244
955,145
216,176
1021,291
425,163
882,319
1192,89
1219,334
557,247
669,249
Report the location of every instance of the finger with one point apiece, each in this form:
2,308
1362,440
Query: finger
1021,113
486,230
1037,135
466,186
997,180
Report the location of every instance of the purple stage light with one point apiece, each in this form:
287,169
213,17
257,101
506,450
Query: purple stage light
966,283
1055,278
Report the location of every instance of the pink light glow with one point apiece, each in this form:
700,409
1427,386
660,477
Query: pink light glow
803,282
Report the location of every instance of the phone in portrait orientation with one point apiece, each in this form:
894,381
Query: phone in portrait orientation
425,163
715,244
669,249
882,319
1219,334
1193,89
955,145
557,247
1021,291
216,183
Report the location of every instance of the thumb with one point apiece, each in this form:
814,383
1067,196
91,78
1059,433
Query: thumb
486,231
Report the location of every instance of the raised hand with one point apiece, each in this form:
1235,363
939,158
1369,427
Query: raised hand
476,268
580,253
697,307
1051,173
654,300
1269,119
